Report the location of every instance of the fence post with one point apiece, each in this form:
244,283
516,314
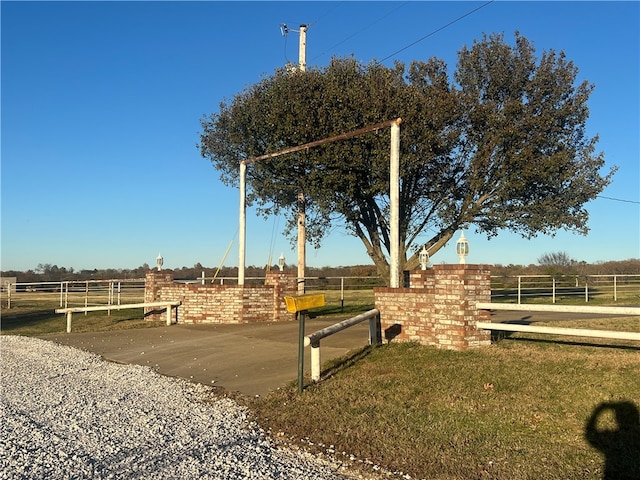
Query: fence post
554,290
586,289
69,315
519,284
342,294
315,361
8,296
615,288
373,330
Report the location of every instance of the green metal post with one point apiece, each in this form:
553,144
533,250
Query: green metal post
301,352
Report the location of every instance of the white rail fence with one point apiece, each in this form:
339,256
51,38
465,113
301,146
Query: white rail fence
587,287
574,332
43,295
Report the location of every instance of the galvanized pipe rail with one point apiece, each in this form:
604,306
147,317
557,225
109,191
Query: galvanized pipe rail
573,332
71,310
313,340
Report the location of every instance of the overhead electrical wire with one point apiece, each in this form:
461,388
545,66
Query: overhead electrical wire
418,41
619,200
436,31
360,31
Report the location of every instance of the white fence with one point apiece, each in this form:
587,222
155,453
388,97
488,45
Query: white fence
574,332
583,287
70,311
85,293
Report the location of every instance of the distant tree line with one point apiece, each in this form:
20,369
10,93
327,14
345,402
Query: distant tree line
557,263
53,273
560,263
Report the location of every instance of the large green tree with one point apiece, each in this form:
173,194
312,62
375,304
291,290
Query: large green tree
500,145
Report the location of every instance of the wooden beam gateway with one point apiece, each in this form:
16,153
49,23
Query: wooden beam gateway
394,193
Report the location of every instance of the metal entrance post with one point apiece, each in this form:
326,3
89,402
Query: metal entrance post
299,305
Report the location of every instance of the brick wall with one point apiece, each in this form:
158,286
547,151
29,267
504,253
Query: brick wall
222,303
438,307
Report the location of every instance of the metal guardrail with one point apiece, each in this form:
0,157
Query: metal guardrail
313,340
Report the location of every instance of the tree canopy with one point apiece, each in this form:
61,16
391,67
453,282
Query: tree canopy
499,144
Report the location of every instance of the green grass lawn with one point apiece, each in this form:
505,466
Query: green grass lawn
515,410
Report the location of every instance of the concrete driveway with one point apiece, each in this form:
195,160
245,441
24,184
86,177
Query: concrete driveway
249,358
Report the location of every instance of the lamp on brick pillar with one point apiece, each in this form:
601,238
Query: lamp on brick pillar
423,257
462,248
159,262
281,262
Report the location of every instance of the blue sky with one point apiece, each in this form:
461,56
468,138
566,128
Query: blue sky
101,104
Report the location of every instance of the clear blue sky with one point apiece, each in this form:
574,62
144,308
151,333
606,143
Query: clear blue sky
101,103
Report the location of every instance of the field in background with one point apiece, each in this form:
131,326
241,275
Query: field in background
343,291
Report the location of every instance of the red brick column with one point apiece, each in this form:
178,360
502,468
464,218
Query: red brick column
153,282
284,284
438,308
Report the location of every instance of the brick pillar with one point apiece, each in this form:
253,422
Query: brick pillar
422,279
284,284
457,289
438,308
153,281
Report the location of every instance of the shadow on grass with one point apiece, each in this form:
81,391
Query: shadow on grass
620,445
11,323
344,363
551,341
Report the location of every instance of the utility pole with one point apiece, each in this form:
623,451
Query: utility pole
302,218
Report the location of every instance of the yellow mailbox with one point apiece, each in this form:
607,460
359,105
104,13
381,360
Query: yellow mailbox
302,303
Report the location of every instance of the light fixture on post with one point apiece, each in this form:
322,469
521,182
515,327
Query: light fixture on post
423,257
281,262
159,262
462,248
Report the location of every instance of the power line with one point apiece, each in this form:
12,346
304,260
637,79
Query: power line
360,31
436,31
619,200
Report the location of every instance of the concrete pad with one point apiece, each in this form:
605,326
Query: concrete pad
250,358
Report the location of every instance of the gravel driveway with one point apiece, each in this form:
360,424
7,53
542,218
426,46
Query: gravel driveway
67,414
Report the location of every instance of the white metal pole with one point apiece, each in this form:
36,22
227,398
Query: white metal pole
302,215
302,243
243,221
394,199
